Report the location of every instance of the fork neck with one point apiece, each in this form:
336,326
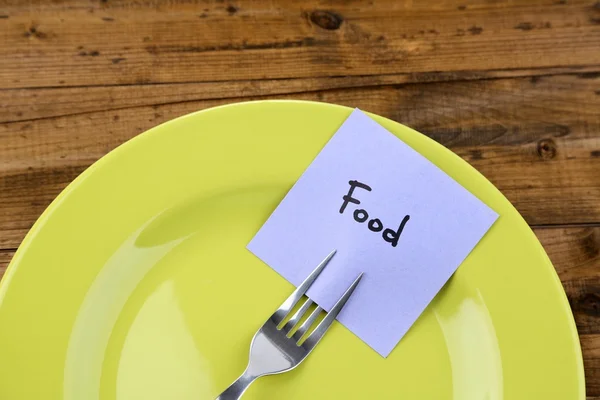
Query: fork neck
237,388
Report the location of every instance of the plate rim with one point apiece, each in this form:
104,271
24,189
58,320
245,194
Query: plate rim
106,158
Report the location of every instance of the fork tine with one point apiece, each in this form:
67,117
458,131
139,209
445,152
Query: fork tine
297,316
291,301
307,324
312,340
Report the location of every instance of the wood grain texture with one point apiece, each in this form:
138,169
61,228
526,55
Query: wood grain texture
590,345
575,253
5,257
535,138
513,87
77,43
27,104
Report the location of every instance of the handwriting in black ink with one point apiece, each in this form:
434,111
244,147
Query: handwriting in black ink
361,215
348,198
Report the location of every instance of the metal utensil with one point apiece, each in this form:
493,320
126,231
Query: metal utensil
276,349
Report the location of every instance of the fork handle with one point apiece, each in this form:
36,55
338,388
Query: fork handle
237,388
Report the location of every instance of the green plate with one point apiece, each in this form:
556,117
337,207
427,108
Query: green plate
121,289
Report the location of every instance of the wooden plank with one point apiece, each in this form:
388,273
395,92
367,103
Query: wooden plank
535,138
575,253
72,43
27,104
590,345
5,257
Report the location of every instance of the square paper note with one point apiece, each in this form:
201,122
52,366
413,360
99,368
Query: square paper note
389,213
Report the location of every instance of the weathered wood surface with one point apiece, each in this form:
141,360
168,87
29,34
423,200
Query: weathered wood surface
536,138
511,86
5,256
575,253
83,43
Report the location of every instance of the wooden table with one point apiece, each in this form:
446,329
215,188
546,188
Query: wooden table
511,86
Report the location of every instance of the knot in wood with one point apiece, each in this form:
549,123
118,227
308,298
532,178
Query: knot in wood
546,149
326,19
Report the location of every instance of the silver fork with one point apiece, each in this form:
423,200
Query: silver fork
275,350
